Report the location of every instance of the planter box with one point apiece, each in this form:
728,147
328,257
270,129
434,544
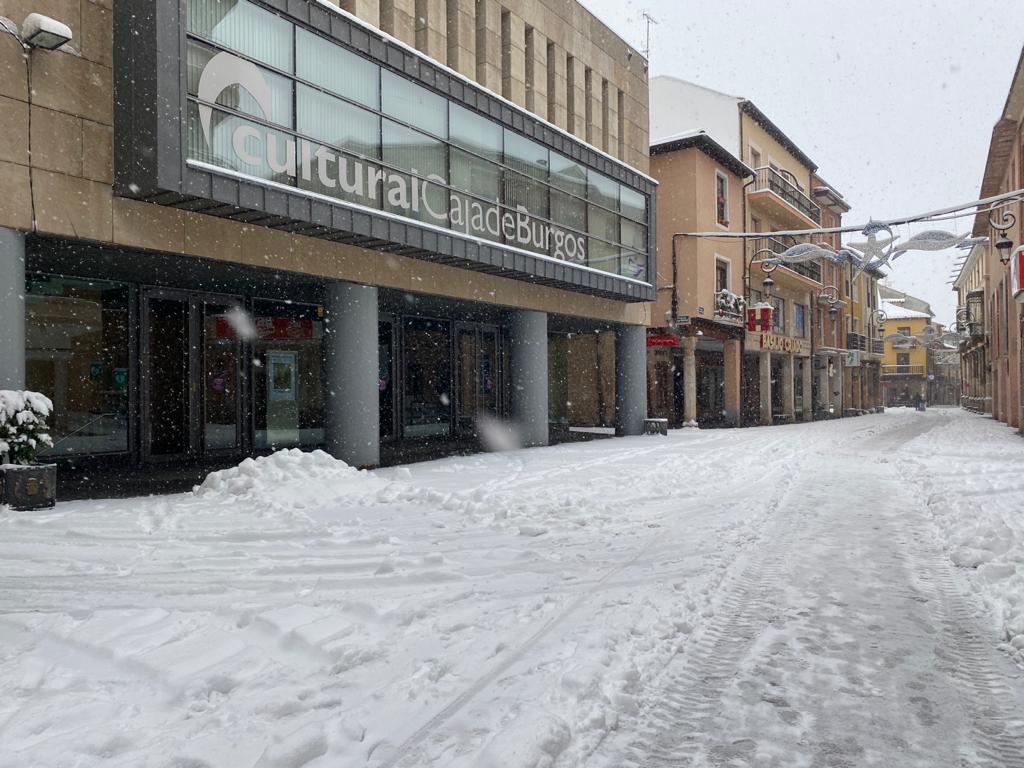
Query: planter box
28,486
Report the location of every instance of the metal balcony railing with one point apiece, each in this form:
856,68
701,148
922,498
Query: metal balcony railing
877,347
772,180
810,269
903,370
857,341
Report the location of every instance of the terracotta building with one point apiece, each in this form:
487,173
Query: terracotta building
991,291
228,227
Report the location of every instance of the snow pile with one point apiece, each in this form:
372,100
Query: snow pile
289,478
974,492
23,432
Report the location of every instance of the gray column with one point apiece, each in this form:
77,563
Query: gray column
690,381
353,395
765,371
630,379
808,364
788,388
12,309
836,385
528,358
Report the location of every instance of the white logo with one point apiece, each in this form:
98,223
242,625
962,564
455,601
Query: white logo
259,147
225,70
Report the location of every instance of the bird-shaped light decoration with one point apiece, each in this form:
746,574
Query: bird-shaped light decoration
932,240
800,254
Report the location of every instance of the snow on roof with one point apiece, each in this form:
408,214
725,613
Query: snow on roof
896,312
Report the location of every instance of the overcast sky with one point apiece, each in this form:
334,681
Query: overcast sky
894,100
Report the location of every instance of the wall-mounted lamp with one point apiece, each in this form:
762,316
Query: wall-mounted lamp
1004,245
39,31
768,284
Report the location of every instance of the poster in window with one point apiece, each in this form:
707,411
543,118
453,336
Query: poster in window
281,376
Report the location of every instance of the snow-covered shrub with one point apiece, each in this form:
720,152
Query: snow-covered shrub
23,429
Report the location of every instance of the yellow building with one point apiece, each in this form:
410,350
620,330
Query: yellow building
905,363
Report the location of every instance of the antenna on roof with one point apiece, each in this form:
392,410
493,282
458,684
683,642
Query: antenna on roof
649,20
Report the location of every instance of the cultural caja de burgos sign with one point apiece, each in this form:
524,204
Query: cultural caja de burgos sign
203,126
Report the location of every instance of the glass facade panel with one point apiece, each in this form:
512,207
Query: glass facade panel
475,133
76,353
602,191
288,376
601,253
568,175
338,123
436,161
332,67
413,104
633,204
243,27
236,98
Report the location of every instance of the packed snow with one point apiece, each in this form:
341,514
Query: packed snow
518,609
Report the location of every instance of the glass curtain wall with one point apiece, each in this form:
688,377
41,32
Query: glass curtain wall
77,355
316,116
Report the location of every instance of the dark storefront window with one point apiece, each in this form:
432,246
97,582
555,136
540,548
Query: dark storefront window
77,355
288,389
427,392
330,122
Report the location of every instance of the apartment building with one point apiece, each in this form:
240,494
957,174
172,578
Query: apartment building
783,193
231,226
905,365
695,340
998,352
971,285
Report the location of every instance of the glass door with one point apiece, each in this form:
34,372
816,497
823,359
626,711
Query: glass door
427,378
166,375
221,375
466,378
192,375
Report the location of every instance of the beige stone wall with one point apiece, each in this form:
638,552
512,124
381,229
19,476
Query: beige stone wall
69,186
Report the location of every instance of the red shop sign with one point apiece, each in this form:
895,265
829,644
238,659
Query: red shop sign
662,340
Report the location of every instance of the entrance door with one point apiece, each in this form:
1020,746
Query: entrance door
192,376
166,376
477,375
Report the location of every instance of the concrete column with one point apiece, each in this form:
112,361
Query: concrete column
353,396
12,309
765,370
733,373
808,388
630,379
528,358
689,380
837,385
788,389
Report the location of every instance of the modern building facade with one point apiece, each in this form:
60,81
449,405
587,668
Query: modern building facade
230,226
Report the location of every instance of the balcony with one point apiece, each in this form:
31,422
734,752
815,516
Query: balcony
770,180
902,370
865,344
810,269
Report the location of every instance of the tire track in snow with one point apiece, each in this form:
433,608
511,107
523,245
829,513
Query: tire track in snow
405,748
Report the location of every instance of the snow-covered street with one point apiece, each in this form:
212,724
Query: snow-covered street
841,593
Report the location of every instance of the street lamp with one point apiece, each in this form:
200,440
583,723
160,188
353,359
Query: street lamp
1004,245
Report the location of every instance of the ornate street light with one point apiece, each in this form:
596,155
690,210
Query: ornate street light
1004,244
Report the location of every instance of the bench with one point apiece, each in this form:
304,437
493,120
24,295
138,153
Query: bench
656,427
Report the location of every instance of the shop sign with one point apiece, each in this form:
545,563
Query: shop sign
759,318
662,340
1017,275
851,358
782,344
271,328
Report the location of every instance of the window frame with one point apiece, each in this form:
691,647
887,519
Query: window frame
722,208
